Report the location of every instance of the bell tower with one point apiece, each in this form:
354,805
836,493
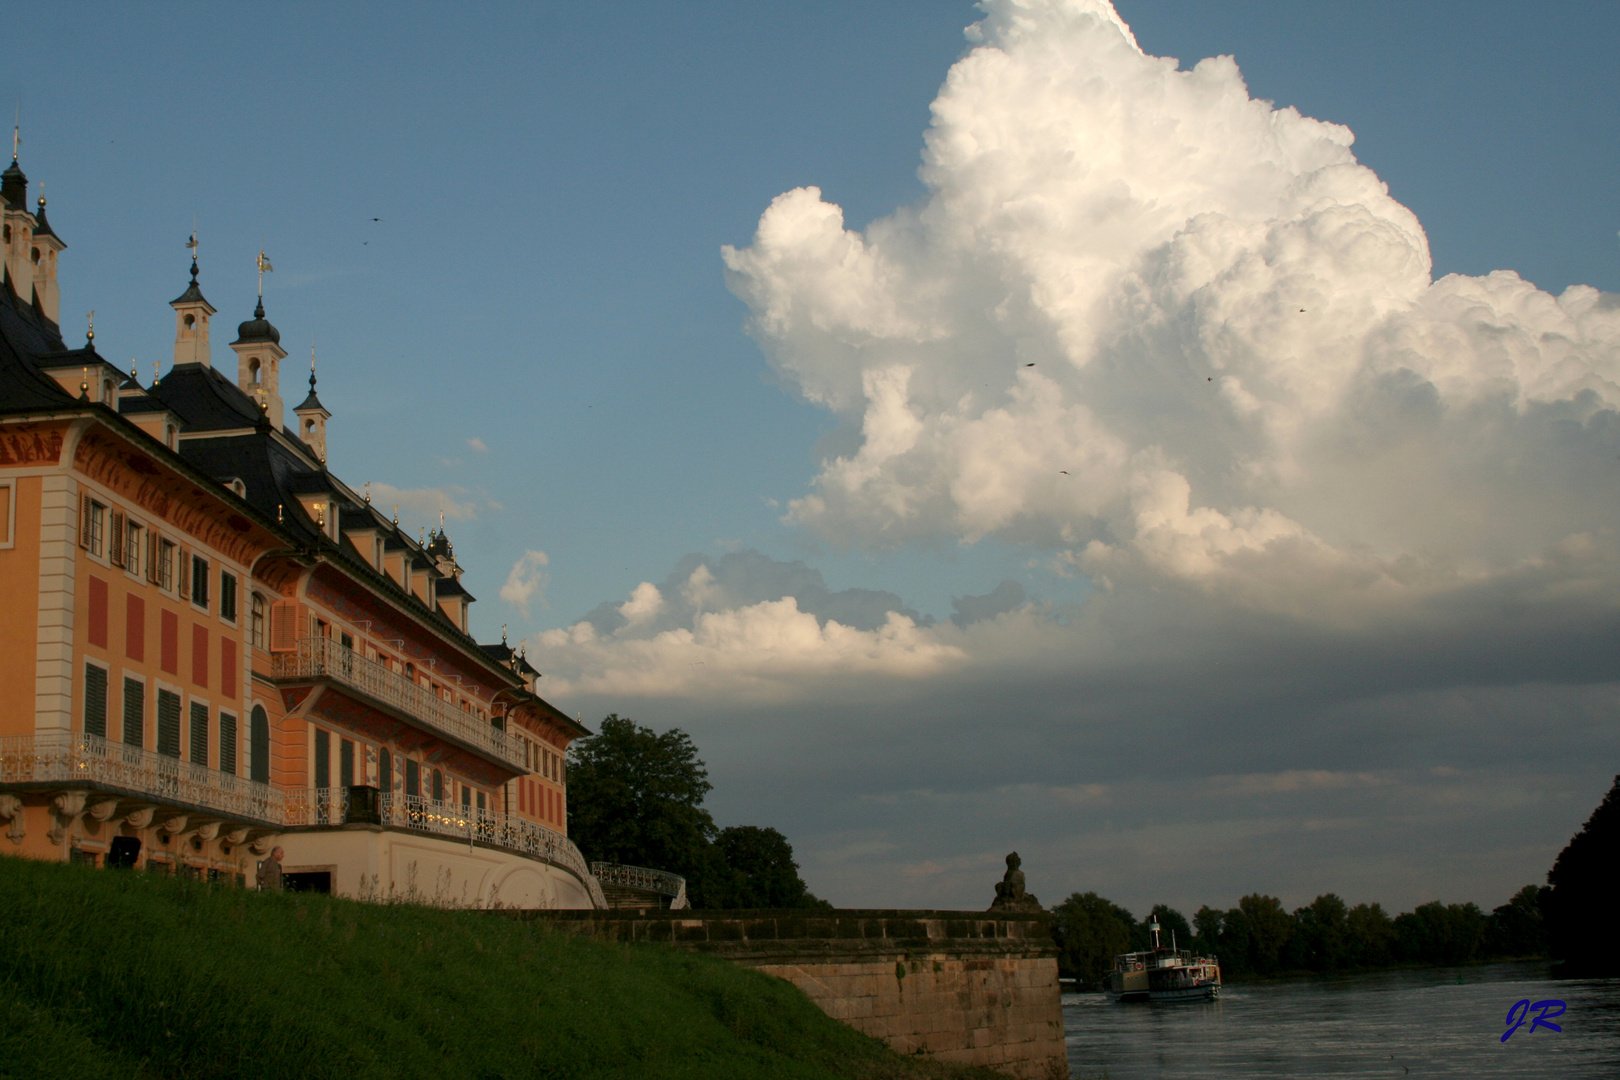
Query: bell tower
191,315
258,363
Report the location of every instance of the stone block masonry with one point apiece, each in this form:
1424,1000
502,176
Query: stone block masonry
959,986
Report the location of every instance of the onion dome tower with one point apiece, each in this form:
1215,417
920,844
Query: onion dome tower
258,363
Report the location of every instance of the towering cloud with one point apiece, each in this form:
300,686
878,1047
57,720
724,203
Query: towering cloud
1160,328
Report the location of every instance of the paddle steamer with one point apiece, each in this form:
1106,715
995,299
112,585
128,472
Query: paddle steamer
1160,974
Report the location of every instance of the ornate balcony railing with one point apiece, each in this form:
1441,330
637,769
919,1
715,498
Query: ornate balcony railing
129,770
644,880
321,657
71,760
500,830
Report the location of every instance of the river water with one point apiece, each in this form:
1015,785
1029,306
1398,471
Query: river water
1438,1022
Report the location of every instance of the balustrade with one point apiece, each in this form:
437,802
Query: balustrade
322,657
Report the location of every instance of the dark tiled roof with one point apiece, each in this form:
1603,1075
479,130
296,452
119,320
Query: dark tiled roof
43,227
206,400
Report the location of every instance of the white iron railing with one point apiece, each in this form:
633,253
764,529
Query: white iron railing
90,759
322,657
644,879
486,826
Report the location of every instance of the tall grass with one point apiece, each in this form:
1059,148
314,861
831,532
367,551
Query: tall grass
117,974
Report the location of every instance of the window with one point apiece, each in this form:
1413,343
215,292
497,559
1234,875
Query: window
256,622
92,526
199,734
227,743
466,797
346,763
413,778
134,712
165,565
199,581
259,745
95,701
168,723
132,547
227,596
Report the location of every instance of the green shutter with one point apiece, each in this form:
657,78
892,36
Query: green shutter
199,734
134,712
259,745
168,725
227,743
95,700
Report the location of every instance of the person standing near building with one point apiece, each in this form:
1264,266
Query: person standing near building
270,872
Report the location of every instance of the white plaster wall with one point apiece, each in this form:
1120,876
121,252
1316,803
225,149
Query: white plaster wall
379,864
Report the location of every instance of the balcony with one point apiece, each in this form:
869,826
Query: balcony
324,658
77,759
317,807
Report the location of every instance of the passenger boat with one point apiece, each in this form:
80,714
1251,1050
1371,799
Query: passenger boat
1161,974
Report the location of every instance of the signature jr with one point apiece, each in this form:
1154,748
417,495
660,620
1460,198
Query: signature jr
1544,1012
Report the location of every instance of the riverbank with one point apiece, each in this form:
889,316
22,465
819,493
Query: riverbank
122,975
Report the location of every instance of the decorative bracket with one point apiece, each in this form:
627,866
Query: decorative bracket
11,809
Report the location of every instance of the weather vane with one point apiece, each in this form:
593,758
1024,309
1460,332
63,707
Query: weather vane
265,268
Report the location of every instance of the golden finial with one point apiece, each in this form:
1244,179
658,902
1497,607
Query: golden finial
154,374
16,133
84,383
91,334
279,517
396,513
368,492
503,633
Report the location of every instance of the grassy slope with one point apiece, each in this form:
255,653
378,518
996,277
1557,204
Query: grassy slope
114,974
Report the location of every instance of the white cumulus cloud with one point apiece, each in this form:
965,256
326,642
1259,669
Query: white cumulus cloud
1148,322
526,584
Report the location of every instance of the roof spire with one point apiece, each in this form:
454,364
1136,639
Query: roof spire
16,132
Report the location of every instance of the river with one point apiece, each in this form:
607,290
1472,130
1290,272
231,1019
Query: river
1436,1022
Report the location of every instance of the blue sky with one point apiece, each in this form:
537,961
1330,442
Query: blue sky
555,184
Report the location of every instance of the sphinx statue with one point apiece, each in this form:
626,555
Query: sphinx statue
1010,894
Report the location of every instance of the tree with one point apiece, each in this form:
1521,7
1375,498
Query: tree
1319,939
1516,928
635,797
1269,928
1090,932
1579,905
1436,933
1370,936
760,871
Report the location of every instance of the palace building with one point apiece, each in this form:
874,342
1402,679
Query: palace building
212,645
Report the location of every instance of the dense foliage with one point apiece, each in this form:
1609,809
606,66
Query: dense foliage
636,797
1579,904
1260,937
114,974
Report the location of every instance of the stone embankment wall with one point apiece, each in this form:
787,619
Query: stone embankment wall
959,986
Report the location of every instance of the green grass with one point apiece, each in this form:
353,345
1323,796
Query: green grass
117,974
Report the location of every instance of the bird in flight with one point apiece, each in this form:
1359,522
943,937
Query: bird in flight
376,219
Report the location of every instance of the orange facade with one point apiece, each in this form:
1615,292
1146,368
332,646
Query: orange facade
211,645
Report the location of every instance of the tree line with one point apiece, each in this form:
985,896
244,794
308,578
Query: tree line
636,797
1568,919
1261,937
